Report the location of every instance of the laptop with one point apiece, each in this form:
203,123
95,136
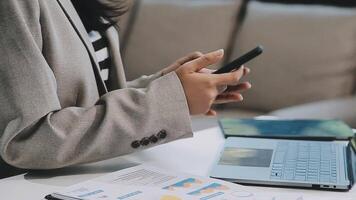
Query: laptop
289,163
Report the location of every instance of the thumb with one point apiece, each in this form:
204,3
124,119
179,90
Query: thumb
205,60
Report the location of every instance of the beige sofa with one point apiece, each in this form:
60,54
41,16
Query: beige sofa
308,69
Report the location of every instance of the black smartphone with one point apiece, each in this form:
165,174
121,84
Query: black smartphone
236,64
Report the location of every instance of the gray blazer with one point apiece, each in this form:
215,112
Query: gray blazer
55,110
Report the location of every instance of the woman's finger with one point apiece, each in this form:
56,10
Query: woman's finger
228,98
211,112
247,71
181,61
206,71
222,89
189,57
205,61
240,87
229,79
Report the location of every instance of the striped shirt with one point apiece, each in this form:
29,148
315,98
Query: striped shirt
100,45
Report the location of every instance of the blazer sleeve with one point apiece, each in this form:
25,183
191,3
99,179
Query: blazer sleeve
143,81
37,133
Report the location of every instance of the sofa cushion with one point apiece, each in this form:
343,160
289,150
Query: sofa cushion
167,30
310,54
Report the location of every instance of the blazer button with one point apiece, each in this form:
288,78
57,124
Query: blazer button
145,141
153,139
162,134
135,144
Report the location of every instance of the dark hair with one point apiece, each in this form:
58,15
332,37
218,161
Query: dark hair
92,12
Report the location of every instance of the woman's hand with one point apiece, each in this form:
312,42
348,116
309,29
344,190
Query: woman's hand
203,89
181,62
229,94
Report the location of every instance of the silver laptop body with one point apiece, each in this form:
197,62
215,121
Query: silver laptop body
291,163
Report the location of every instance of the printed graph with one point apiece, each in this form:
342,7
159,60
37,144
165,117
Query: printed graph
214,187
186,183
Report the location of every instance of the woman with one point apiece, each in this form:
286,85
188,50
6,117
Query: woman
56,109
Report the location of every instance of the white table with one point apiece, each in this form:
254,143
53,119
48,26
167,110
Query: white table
193,155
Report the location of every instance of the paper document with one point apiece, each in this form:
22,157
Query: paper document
146,182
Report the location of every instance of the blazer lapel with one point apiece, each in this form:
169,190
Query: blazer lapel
77,24
117,74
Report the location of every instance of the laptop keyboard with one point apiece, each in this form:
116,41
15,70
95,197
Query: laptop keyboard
305,161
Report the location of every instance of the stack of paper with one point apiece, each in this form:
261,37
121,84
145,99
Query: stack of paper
147,182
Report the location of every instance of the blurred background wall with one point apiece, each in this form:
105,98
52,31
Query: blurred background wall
308,69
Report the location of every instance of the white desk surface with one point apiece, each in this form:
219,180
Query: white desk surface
193,155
